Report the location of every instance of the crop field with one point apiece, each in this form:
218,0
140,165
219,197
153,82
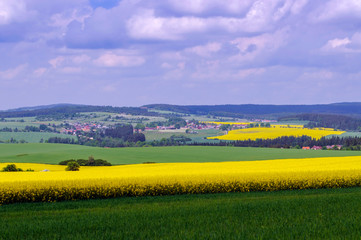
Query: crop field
177,178
276,131
31,137
304,214
54,153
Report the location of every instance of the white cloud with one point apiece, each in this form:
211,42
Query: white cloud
205,50
252,47
261,17
147,25
56,62
200,6
13,72
112,60
344,45
166,65
12,11
337,9
39,72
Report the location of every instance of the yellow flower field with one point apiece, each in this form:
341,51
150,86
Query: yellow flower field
276,131
176,178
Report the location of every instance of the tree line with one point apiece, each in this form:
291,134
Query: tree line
348,143
327,121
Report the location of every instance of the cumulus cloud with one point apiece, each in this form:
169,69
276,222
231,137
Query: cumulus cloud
113,60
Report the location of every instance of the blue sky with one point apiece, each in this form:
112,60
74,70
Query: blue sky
135,52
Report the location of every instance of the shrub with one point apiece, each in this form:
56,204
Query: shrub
12,168
72,166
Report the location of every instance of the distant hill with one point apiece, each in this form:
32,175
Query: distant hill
240,111
42,107
70,109
258,109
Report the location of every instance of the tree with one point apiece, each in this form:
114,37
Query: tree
72,166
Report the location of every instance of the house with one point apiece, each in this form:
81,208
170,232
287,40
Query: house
316,148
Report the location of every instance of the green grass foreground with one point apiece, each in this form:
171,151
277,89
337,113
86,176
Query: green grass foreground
304,214
54,153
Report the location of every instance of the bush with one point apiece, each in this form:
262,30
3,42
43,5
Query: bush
72,166
12,168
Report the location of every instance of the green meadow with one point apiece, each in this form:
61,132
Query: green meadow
302,214
54,153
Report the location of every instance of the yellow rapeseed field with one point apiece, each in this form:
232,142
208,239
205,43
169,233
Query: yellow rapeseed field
276,131
176,178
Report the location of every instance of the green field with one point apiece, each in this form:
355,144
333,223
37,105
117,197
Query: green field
18,125
158,135
54,153
31,137
302,214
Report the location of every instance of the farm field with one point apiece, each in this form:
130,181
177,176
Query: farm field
54,153
302,214
276,131
31,137
177,178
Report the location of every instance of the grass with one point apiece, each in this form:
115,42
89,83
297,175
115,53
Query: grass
31,137
306,214
54,153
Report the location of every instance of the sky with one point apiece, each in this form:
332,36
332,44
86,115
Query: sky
137,52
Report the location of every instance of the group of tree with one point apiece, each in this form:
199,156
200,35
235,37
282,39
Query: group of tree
91,161
341,122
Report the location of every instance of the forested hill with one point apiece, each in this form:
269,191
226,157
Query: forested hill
72,109
255,109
